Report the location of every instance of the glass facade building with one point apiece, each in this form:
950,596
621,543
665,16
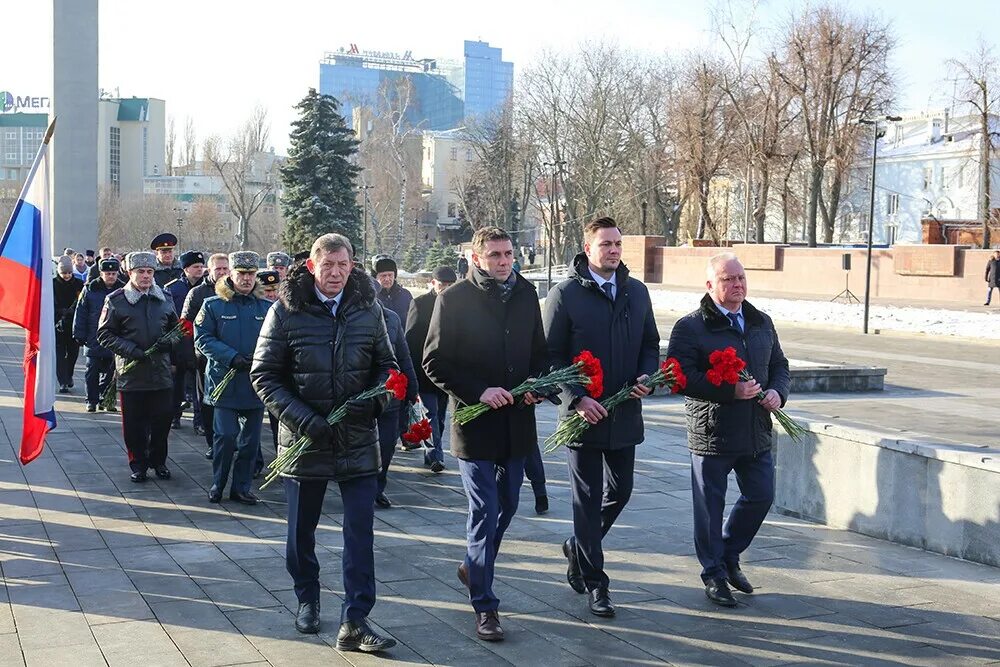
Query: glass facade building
358,79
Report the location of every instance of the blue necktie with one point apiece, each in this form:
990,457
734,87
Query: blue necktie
735,319
607,290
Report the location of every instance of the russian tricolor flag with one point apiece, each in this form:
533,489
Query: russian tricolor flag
26,299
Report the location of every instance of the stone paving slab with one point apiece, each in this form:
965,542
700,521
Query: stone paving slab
99,571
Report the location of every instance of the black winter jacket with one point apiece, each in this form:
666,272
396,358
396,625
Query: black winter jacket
580,316
417,322
132,322
306,364
177,290
88,312
475,341
65,294
193,302
163,273
717,423
397,299
397,338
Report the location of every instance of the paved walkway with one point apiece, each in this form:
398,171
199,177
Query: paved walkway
97,571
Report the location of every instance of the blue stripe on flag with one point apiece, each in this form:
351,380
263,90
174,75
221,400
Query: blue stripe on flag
22,236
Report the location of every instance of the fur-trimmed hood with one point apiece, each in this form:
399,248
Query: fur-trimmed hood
298,290
132,295
224,290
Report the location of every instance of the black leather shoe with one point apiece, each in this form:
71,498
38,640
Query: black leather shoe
162,472
600,603
243,498
541,504
437,467
359,636
573,574
738,580
138,477
382,501
463,575
214,495
91,407
718,592
208,455
198,430
488,626
307,620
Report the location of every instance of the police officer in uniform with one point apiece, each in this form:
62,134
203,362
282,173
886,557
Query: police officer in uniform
134,319
167,267
193,266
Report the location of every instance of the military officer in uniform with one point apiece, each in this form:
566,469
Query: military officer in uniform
134,319
279,262
167,267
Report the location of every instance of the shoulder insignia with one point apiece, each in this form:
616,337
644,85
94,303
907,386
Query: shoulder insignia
201,317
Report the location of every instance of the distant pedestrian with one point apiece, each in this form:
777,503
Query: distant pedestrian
133,320
728,429
391,294
992,276
94,272
100,360
462,267
80,267
66,288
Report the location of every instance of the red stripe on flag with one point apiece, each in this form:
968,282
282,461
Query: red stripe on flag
34,428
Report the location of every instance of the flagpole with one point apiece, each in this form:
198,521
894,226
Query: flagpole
38,158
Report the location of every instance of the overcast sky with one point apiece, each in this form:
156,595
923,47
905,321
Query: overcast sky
214,60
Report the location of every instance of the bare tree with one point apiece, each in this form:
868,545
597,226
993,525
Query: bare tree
836,65
978,75
246,169
171,146
190,154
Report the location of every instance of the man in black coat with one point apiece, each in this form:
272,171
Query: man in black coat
601,309
992,276
134,319
100,361
66,290
323,342
485,337
218,268
729,428
193,267
393,420
435,401
391,294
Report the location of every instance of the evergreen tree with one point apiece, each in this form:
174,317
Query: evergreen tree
412,258
318,178
433,259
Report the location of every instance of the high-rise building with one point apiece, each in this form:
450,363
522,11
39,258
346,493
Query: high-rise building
489,80
442,94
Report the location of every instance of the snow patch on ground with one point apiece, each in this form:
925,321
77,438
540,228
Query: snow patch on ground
938,322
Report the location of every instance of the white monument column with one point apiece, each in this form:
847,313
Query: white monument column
74,103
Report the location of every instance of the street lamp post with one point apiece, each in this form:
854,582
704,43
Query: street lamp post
553,210
643,227
364,230
871,211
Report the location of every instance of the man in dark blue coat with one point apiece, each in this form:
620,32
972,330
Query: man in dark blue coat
391,423
603,310
100,360
226,332
193,267
729,427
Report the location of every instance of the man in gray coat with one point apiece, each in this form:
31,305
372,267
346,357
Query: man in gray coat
729,426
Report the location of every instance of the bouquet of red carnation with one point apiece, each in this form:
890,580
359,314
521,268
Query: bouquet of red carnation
395,385
419,429
585,371
571,429
729,368
183,329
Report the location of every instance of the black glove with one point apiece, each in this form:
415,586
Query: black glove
163,346
136,354
360,410
318,430
240,362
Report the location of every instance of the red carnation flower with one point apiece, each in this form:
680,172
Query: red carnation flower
187,328
396,384
591,367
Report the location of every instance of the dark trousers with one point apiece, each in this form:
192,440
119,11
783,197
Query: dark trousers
182,392
720,546
259,463
388,435
98,376
437,409
492,488
601,483
989,294
534,470
207,411
146,417
67,350
236,432
305,504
